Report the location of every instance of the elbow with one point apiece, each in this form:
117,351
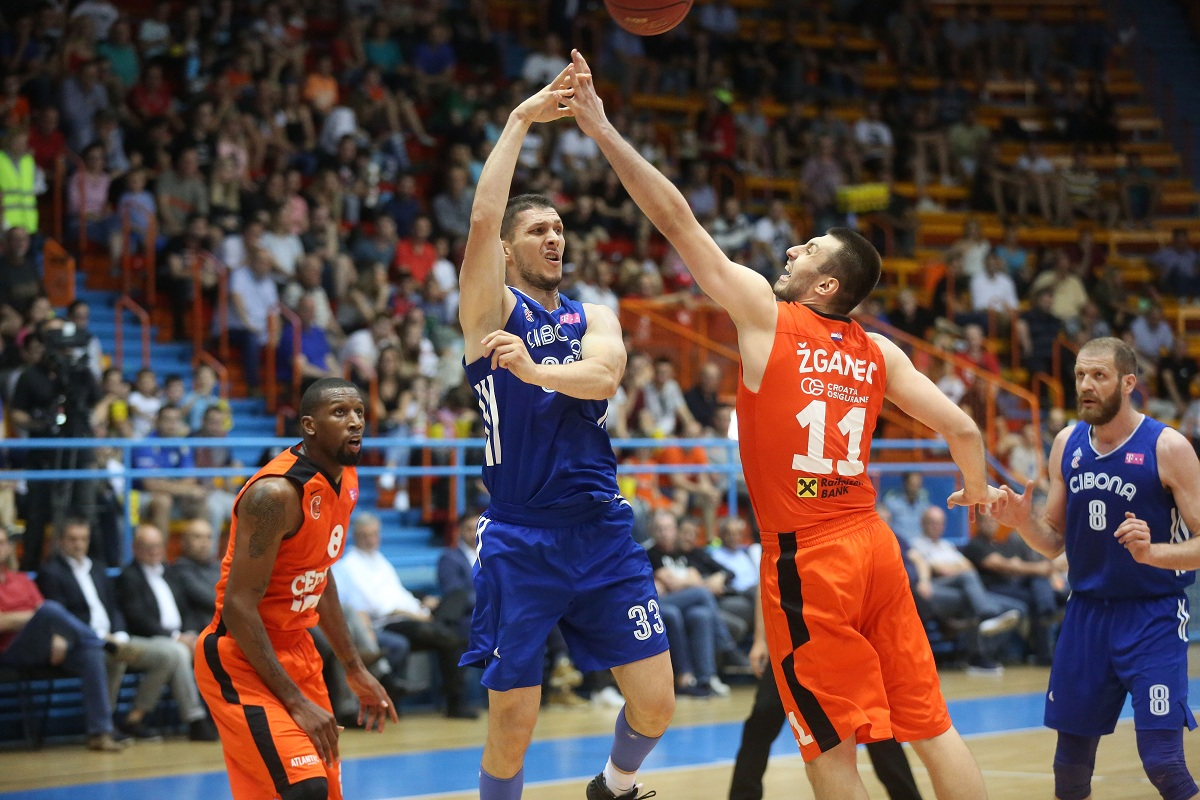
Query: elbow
609,385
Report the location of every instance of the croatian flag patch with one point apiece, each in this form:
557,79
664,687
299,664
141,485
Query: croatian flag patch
353,495
1135,458
528,314
836,336
568,319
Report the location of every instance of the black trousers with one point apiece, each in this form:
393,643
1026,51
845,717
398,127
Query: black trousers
762,727
446,642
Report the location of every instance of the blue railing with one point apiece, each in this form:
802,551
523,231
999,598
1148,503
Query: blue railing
456,449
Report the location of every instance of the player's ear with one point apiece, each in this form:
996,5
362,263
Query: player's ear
308,426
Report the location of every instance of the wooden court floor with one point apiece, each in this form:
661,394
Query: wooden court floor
1016,765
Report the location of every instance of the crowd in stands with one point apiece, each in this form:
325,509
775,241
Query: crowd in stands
321,156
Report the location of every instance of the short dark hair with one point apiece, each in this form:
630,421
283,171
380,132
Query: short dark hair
74,522
1124,359
856,265
315,395
522,202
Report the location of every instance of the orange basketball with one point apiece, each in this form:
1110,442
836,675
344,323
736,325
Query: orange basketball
648,17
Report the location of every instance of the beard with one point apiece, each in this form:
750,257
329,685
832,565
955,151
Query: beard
539,281
347,457
1104,412
794,287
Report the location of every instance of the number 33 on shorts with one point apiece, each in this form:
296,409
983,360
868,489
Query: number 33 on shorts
644,619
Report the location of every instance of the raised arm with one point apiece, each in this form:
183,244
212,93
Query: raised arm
595,376
1179,471
268,513
920,398
745,294
483,303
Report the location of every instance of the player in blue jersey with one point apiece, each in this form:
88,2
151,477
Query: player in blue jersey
556,543
1119,481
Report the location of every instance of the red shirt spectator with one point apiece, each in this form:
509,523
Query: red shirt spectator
152,97
17,593
416,255
46,141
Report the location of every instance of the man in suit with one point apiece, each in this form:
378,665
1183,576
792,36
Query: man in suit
194,575
82,586
454,567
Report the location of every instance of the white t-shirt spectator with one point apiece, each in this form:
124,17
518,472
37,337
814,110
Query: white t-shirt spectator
143,409
258,296
993,292
1151,341
285,248
664,406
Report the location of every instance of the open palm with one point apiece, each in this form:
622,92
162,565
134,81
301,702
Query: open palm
546,105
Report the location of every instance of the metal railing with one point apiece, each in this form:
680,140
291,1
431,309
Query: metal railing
453,465
127,303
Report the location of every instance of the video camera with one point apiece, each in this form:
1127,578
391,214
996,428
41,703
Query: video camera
66,360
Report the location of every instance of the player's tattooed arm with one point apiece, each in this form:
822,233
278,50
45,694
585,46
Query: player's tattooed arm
267,513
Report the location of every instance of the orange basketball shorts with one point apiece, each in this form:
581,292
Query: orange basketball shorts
265,750
850,655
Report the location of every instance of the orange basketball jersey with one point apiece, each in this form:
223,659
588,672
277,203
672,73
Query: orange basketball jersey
805,436
303,563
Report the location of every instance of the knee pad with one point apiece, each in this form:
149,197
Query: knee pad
1162,758
308,789
1074,762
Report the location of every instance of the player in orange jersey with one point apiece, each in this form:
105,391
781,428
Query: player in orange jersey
849,653
256,664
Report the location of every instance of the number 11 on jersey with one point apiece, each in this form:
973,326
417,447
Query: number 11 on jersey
851,426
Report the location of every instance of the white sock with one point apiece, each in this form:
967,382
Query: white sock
618,782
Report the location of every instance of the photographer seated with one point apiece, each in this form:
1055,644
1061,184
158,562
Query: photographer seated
163,498
55,396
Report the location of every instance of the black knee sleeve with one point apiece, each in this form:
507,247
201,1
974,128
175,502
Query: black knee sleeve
1074,762
309,789
1162,758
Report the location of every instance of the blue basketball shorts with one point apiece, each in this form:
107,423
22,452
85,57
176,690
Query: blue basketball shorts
593,580
1112,648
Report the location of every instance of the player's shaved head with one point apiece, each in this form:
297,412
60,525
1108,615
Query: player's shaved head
320,392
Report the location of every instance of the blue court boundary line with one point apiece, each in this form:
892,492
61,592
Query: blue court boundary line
430,773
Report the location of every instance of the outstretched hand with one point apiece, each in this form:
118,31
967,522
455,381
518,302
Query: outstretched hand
989,498
584,103
547,104
1013,510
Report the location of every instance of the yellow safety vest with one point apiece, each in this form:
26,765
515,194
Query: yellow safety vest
16,192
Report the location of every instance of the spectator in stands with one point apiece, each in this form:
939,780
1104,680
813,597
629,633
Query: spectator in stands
452,206
875,141
947,579
689,611
1175,372
909,316
416,255
973,246
695,491
994,289
663,402
20,282
204,394
315,359
773,235
1039,179
967,139
1152,335
181,193
21,181
907,504
221,491
962,35
732,230
1079,187
35,632
1178,266
153,608
194,574
152,97
252,296
368,582
164,497
738,553
1139,191
821,176
283,244
82,96
1024,457
1009,567
308,283
144,402
1069,293
703,398
82,586
1037,329
434,61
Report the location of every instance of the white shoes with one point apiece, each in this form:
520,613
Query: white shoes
718,686
608,697
1001,623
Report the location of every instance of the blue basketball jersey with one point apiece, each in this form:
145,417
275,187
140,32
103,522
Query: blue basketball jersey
1100,489
548,459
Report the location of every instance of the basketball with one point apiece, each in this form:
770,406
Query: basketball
648,17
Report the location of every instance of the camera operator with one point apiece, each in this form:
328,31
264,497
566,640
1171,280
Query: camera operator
56,396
